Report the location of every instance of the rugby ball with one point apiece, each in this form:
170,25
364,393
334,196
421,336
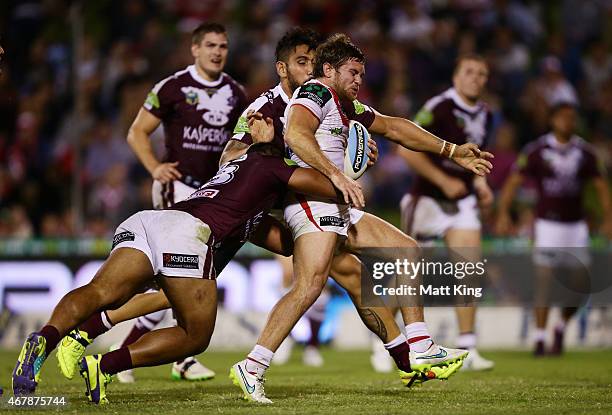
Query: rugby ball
357,152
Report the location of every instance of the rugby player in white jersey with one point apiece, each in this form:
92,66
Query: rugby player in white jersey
316,131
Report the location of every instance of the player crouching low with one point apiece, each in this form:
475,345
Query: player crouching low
176,244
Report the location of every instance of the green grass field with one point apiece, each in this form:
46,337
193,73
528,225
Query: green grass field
580,382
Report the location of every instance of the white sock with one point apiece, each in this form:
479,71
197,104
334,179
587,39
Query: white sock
418,337
539,335
258,360
395,342
466,341
560,325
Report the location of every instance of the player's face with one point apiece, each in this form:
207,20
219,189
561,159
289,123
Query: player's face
348,78
300,65
211,54
470,79
564,122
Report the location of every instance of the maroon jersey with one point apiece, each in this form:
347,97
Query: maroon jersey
448,117
560,172
235,200
272,104
198,117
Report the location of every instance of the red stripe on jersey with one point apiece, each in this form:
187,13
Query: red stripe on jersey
306,208
343,116
309,110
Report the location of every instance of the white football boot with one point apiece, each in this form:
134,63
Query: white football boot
475,362
436,355
252,385
127,376
380,359
191,369
312,357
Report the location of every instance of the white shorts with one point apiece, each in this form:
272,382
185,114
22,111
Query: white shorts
175,242
304,215
167,194
424,218
570,241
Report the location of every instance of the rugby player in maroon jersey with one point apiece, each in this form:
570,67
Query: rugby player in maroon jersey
444,200
177,246
561,164
198,108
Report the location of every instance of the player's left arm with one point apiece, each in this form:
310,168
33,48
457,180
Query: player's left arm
411,136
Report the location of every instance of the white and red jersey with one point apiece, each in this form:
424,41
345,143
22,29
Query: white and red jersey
333,115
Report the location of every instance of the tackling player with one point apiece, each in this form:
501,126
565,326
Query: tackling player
198,107
561,164
445,198
295,51
177,246
317,123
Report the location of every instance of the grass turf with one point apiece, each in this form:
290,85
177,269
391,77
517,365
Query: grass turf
579,382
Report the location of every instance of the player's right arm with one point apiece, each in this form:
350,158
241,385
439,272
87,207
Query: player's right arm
139,140
452,187
503,221
300,136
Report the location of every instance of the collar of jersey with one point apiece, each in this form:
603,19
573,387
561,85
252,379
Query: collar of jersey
282,94
195,75
552,141
462,104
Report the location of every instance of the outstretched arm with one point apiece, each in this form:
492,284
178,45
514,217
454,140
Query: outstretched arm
411,136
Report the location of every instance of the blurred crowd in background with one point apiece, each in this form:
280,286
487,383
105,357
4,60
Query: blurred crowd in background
65,103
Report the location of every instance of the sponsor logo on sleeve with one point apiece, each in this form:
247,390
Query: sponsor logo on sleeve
242,126
152,100
331,221
122,237
183,261
359,107
315,92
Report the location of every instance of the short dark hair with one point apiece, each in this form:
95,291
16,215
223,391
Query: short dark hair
294,38
199,32
336,51
469,57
